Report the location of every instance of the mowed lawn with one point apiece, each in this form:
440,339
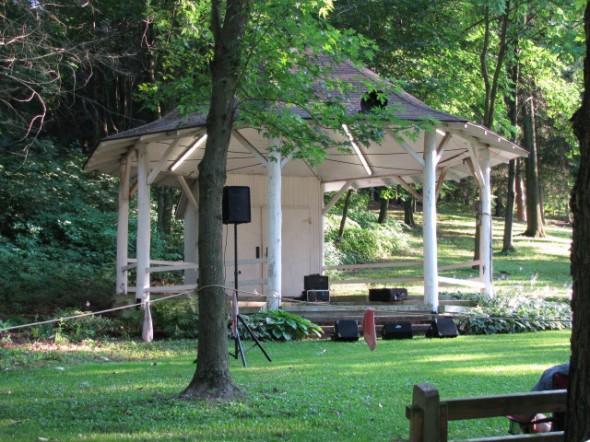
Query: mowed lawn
315,390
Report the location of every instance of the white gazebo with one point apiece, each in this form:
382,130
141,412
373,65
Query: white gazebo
284,240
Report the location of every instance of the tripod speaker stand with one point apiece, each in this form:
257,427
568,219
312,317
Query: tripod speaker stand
236,210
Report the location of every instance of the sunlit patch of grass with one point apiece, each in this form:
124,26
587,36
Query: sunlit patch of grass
313,390
540,265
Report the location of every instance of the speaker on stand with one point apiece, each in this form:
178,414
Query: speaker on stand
235,209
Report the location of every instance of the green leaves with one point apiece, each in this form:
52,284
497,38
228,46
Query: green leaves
281,325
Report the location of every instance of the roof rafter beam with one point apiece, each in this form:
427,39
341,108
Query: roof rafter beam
158,168
250,147
188,192
410,151
440,149
336,197
410,189
357,150
189,152
474,165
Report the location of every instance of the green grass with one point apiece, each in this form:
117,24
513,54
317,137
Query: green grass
311,391
539,266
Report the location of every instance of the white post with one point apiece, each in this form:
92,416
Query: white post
485,240
123,228
429,222
275,221
143,239
191,223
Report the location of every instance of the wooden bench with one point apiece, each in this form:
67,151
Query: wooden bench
429,415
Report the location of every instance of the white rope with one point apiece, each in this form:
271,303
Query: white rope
255,294
114,309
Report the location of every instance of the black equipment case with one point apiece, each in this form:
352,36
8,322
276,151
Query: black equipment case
442,327
346,330
388,295
397,330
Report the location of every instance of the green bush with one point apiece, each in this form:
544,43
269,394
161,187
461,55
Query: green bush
175,319
280,325
362,241
86,327
515,313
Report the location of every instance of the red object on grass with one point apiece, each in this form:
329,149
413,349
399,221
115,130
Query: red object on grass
369,332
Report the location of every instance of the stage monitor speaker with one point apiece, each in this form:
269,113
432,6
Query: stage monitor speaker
315,282
236,205
442,327
397,330
346,330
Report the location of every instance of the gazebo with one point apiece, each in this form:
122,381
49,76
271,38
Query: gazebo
284,240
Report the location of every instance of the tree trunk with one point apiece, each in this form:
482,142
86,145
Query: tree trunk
383,210
165,197
519,193
344,215
578,416
533,197
212,376
512,104
409,209
507,246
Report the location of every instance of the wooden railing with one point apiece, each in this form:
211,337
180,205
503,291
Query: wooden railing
472,282
429,415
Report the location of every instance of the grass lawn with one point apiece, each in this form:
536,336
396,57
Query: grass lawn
316,390
540,266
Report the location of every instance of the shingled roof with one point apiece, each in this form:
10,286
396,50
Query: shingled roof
174,134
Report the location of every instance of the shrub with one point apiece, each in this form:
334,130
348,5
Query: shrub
175,319
86,327
514,314
280,325
362,241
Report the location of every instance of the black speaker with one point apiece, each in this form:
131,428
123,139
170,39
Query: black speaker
442,327
397,330
388,295
315,282
346,330
236,205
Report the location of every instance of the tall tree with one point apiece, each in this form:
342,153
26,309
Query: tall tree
228,24
578,416
265,59
533,196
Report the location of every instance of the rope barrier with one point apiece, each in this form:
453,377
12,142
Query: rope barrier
255,294
113,309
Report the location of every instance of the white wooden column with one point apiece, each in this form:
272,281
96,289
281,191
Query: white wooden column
123,228
143,240
275,221
485,239
429,222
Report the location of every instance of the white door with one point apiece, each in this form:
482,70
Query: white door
296,249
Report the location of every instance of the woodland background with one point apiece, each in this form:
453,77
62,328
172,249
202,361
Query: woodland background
72,72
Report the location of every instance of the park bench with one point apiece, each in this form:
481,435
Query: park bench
429,415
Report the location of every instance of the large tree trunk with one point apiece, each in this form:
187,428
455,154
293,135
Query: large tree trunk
344,214
578,416
533,196
212,377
